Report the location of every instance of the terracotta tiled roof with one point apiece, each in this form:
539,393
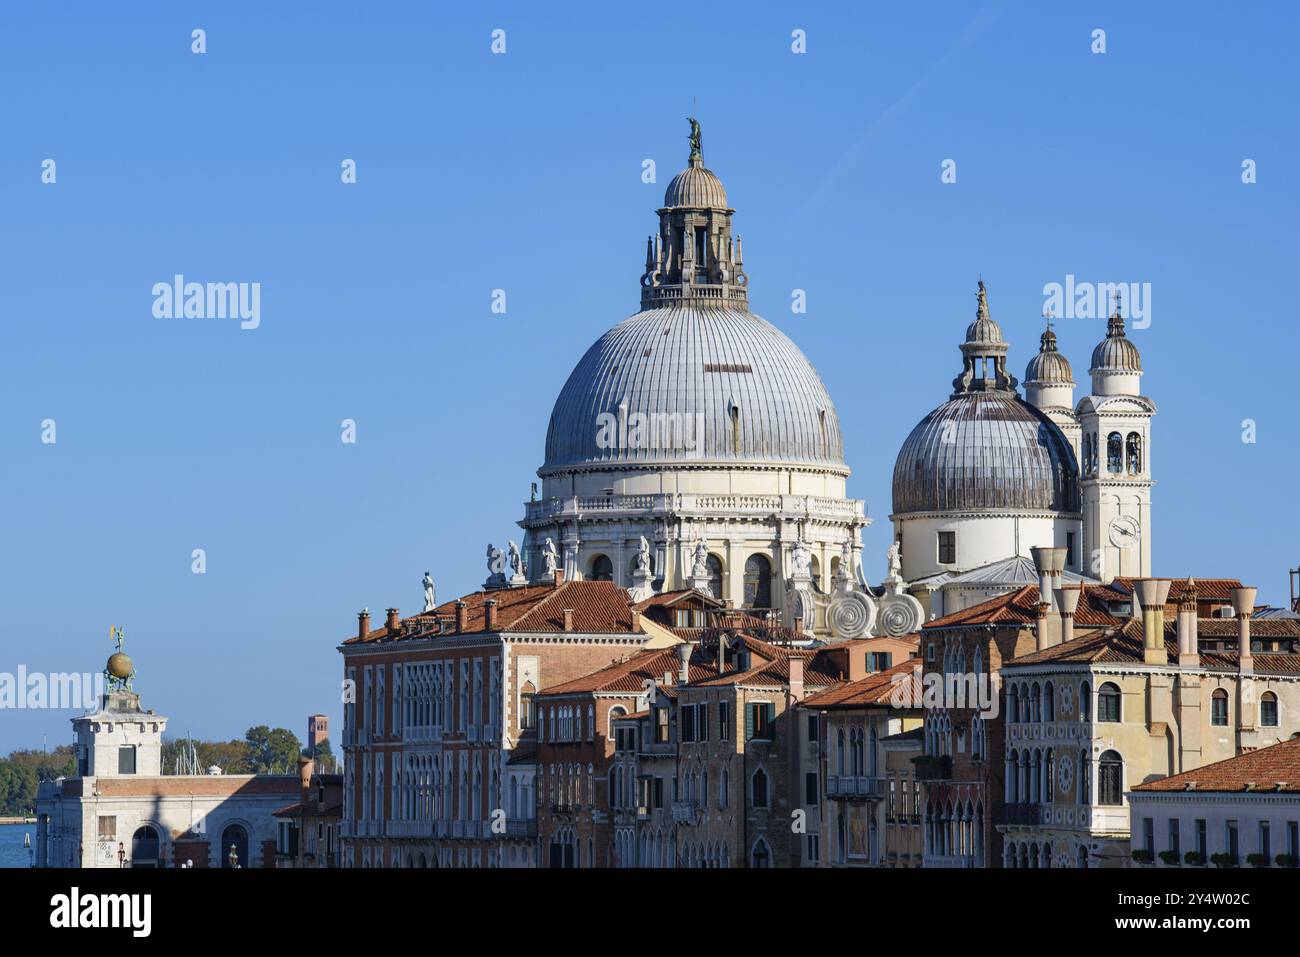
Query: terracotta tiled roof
1125,645
774,672
313,810
1020,607
1259,627
1275,768
632,674
598,608
668,598
874,689
200,785
1207,589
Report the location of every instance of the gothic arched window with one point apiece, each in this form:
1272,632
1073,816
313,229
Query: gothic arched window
758,582
602,569
1115,453
1268,710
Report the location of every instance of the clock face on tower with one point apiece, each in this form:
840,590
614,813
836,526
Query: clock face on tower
1124,531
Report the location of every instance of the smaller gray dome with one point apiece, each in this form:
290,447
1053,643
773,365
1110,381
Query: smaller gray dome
695,186
1116,353
985,451
1049,367
985,332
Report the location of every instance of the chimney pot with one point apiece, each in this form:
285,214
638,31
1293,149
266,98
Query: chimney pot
636,620
568,619
490,611
460,616
1067,600
363,623
393,621
1243,603
559,577
684,662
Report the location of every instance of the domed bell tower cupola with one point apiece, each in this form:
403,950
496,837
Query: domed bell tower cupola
693,259
984,354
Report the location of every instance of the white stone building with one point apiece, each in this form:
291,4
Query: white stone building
121,811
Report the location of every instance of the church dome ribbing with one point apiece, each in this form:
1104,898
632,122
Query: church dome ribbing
696,186
985,448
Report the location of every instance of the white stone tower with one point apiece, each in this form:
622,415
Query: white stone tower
1116,460
1049,387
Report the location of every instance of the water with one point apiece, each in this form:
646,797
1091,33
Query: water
12,852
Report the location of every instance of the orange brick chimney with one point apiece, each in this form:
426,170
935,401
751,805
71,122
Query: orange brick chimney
490,608
568,619
460,616
363,622
394,621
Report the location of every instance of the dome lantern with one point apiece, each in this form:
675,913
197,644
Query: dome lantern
984,354
694,257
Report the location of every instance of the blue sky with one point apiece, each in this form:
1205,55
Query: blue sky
523,172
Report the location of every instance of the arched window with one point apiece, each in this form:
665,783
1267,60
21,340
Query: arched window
758,790
762,857
616,712
1219,709
1082,857
527,714
1035,703
602,569
1013,702
758,582
146,848
1268,710
714,564
1108,703
1085,702
1133,450
1110,779
1115,453
1049,702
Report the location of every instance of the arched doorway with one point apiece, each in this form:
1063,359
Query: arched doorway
146,847
602,569
235,837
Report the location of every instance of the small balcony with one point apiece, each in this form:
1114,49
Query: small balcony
1019,815
855,787
522,828
686,812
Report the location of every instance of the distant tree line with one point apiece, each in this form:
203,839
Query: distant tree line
24,769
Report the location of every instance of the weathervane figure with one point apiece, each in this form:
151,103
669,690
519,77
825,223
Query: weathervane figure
696,143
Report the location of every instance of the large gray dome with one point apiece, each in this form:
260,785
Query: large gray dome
759,398
986,451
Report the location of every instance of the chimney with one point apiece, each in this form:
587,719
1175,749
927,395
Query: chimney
1067,599
568,619
305,769
1152,593
490,610
636,621
798,624
559,577
722,653
1188,643
1041,637
684,662
1049,563
363,622
393,622
1243,602
460,616
796,678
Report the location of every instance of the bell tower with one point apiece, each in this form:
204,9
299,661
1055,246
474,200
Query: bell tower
1115,422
